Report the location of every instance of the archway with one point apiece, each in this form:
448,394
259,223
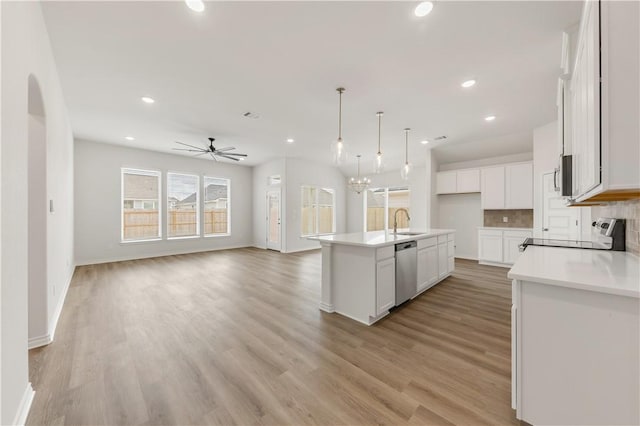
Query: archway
37,217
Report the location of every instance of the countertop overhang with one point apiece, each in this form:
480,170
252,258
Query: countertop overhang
379,238
603,271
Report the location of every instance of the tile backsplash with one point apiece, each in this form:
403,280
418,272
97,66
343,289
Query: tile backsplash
515,218
629,210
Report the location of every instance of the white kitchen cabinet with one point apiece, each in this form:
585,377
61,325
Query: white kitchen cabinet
468,181
490,246
443,266
385,285
492,189
604,97
429,270
519,186
500,246
446,182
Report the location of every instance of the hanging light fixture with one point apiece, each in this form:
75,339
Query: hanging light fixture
359,184
406,168
379,166
337,148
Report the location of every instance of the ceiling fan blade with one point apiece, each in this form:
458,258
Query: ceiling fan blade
191,146
201,153
232,153
229,158
228,148
190,150
213,156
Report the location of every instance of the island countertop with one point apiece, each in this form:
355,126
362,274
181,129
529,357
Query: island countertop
380,238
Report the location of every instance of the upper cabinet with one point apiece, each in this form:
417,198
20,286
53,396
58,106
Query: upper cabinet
604,103
507,187
458,181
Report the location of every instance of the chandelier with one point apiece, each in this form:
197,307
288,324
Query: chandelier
359,184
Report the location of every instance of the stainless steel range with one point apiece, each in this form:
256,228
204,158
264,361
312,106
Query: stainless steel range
610,235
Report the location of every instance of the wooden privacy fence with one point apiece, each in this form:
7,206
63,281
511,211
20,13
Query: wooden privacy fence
375,219
140,224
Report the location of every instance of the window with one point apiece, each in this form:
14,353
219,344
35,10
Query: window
183,205
381,205
317,215
216,206
140,205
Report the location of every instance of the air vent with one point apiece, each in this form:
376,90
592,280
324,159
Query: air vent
439,138
253,115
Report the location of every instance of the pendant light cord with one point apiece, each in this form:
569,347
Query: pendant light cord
340,90
379,126
358,166
406,146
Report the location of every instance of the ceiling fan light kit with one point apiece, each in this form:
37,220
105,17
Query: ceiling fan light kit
213,152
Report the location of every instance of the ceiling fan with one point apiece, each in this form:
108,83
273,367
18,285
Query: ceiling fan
212,151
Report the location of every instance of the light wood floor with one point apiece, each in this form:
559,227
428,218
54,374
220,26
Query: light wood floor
236,337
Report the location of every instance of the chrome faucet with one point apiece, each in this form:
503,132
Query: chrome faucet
395,219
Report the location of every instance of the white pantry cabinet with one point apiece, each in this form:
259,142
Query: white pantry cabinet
500,246
385,285
458,181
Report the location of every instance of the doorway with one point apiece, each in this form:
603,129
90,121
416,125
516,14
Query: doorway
274,235
558,221
38,317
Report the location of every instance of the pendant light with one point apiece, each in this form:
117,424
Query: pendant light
359,184
379,166
406,168
337,148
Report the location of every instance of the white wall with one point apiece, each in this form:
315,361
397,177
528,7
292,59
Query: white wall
26,51
261,175
489,161
98,200
463,213
417,184
302,172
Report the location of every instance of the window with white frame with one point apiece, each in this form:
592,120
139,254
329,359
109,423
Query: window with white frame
317,211
380,206
216,206
140,208
183,205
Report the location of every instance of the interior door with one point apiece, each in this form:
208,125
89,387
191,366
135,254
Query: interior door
559,221
273,221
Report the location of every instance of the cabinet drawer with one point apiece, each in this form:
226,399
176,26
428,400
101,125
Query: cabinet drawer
518,234
490,233
442,239
451,249
385,252
427,242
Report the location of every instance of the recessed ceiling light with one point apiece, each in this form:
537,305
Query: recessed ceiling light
468,83
147,100
130,138
423,9
195,5
490,118
424,142
290,140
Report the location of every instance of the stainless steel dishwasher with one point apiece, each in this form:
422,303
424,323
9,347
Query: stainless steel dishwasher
406,271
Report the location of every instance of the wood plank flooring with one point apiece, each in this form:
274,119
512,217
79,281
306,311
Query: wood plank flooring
236,337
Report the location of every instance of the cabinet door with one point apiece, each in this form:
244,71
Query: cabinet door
511,242
423,265
490,246
492,188
385,285
585,103
451,264
443,266
432,265
519,186
468,181
446,183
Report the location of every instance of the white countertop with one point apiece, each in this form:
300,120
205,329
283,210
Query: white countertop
379,238
504,228
604,271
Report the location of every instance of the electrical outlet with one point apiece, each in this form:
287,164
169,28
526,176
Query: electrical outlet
505,219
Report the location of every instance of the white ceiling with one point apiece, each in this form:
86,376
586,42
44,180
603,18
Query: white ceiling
284,61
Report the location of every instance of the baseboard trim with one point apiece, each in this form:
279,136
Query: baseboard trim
25,405
500,265
327,307
466,257
53,324
36,342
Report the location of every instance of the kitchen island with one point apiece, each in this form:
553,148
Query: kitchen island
359,269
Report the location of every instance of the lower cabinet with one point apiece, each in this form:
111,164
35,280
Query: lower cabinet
443,264
385,285
427,267
500,246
